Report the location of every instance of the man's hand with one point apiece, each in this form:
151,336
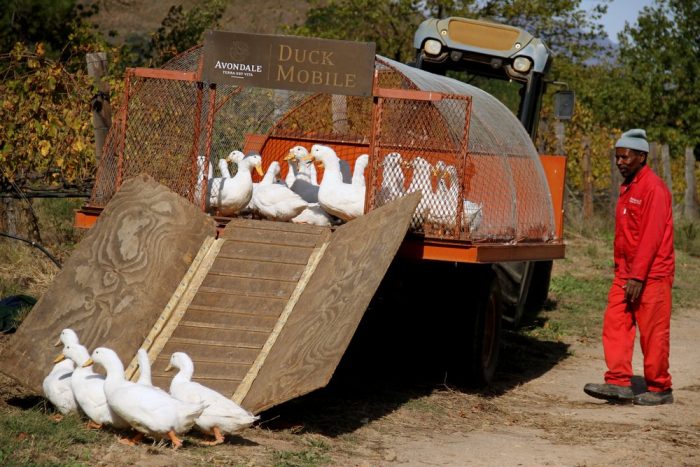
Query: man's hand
633,289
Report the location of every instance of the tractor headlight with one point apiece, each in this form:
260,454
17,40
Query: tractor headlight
522,64
432,47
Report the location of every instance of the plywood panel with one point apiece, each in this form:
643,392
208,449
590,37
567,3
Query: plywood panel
271,225
216,335
257,269
197,317
264,252
319,329
117,281
247,287
229,353
229,302
273,237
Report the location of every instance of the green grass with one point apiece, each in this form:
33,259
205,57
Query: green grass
30,437
315,454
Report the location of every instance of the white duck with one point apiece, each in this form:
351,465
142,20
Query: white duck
149,410
339,199
422,173
230,195
88,388
275,201
392,178
472,213
67,337
57,388
144,368
221,415
293,157
223,168
358,174
305,183
314,214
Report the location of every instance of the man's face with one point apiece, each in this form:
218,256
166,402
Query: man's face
629,161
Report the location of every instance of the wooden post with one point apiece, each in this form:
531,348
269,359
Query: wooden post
666,165
653,157
690,210
587,180
101,110
560,133
615,180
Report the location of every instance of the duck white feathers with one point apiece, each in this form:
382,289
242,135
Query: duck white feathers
57,387
275,201
88,388
221,416
230,195
422,173
147,409
342,200
305,183
358,173
393,179
446,211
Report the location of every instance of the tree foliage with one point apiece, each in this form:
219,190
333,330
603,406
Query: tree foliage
44,122
660,72
182,29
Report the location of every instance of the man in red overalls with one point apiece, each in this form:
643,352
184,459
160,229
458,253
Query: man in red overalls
640,296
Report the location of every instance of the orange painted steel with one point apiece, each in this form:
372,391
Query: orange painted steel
555,170
487,195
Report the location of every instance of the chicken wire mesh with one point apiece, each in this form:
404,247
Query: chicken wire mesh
468,155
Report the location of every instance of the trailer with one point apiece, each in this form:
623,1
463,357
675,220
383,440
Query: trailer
267,309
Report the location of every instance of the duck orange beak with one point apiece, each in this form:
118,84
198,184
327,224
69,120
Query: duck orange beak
59,357
289,156
258,169
88,362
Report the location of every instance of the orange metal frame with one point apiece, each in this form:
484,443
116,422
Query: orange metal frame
414,246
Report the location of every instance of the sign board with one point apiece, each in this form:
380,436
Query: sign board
289,62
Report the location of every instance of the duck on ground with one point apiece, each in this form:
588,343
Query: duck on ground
88,388
58,390
150,411
221,416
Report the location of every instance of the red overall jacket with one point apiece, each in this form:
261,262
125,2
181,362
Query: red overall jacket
643,246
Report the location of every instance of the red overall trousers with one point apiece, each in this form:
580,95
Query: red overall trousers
643,251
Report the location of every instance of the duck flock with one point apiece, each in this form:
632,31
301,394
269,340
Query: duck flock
340,196
112,400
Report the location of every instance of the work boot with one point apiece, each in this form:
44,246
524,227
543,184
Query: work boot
654,398
609,392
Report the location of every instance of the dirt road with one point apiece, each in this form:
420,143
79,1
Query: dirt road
535,414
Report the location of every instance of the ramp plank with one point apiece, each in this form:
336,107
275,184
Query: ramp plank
117,281
319,328
241,297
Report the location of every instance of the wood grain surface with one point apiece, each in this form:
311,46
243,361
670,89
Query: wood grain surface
239,301
325,317
117,281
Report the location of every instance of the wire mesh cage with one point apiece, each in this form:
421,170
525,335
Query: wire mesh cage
476,167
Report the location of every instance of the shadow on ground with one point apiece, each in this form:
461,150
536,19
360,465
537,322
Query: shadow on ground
411,342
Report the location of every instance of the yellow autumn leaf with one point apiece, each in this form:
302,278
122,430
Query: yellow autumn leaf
44,147
78,145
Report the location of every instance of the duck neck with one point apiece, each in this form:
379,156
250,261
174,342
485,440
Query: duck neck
185,373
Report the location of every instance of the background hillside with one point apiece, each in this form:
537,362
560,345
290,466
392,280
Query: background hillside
128,17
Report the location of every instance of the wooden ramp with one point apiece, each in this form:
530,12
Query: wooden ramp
269,311
266,311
